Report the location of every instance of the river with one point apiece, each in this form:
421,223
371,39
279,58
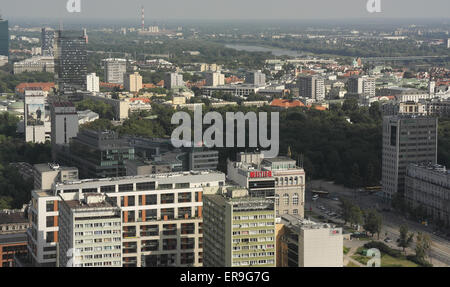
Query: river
275,51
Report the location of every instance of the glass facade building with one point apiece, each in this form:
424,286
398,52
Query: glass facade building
4,38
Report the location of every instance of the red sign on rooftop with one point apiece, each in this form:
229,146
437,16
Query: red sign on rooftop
256,174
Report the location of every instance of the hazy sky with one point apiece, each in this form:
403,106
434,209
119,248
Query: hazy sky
223,9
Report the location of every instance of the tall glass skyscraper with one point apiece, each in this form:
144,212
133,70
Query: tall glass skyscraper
71,60
4,38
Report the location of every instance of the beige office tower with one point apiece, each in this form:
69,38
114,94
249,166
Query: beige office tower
162,216
406,139
90,231
132,82
239,230
304,243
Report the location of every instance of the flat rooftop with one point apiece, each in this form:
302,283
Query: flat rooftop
13,217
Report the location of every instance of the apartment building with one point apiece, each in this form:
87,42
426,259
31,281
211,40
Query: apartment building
239,230
115,69
90,228
13,239
312,87
35,64
306,243
428,186
132,82
162,216
215,79
406,139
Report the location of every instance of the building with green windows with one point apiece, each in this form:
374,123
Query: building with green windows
238,230
4,38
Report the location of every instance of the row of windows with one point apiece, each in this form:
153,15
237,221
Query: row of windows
98,264
261,216
91,225
97,240
254,262
97,232
99,248
255,254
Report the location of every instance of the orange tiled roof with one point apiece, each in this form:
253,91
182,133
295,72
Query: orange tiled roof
44,86
283,103
110,85
145,100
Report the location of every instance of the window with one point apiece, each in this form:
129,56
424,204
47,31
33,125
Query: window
145,186
286,199
125,187
50,206
108,188
295,199
277,200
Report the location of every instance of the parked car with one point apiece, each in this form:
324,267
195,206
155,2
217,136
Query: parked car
387,240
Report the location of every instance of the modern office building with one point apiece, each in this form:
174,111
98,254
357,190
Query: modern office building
203,159
4,37
162,216
132,82
97,154
406,139
115,69
289,185
93,83
308,244
47,42
312,87
427,187
173,80
90,229
239,230
256,78
71,60
47,174
214,79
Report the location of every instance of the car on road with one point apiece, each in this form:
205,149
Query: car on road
315,197
387,240
321,207
335,198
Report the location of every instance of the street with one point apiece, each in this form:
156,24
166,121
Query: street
439,254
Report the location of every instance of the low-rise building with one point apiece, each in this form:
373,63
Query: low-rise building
427,187
306,243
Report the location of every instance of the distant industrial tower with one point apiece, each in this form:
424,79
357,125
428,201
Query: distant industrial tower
143,18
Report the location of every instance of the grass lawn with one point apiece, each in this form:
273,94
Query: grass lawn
351,264
346,250
386,260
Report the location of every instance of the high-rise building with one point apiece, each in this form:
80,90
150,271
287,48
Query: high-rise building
312,87
214,79
90,231
115,69
363,87
47,42
70,60
173,80
162,217
64,119
406,139
93,83
238,230
427,189
132,82
303,243
256,78
4,37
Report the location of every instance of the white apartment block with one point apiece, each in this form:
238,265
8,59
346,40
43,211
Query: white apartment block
215,79
90,231
93,83
161,216
115,69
